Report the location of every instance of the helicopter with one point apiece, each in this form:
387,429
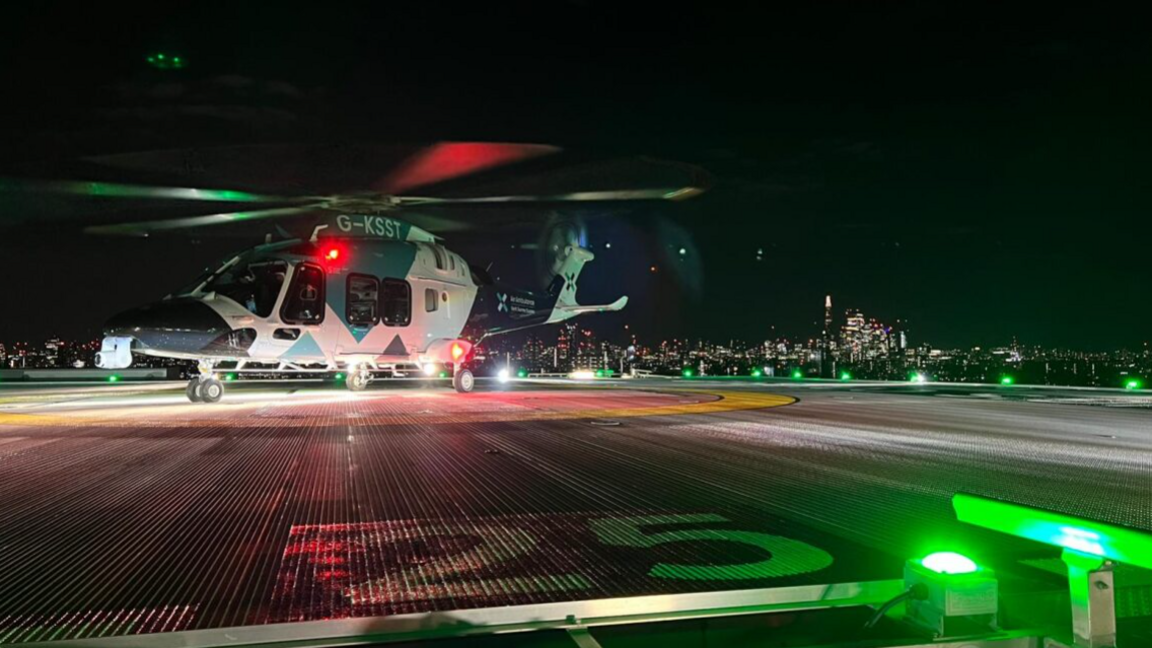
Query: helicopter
367,294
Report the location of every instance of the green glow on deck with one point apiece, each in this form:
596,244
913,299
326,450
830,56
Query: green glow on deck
1076,534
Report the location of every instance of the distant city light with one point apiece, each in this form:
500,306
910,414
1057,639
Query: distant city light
582,374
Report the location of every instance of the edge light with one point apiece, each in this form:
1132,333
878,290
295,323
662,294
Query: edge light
949,562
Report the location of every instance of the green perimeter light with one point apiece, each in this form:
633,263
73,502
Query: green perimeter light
522,373
756,373
1133,384
797,374
949,562
1076,534
844,375
1007,380
687,373
113,378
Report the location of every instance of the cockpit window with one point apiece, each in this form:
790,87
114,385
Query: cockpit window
254,285
304,303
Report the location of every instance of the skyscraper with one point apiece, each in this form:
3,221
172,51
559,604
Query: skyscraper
827,315
853,335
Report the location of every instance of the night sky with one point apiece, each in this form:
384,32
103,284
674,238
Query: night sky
979,173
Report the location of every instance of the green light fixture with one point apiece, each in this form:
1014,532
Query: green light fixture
1133,384
1007,380
797,374
687,373
948,562
844,375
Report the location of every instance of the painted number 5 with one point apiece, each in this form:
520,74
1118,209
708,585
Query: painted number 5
789,557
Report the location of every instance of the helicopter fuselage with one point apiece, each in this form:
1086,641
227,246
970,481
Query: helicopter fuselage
371,300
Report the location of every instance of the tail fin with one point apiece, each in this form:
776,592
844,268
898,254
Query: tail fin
564,287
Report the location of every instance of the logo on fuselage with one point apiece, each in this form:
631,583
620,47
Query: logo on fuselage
380,226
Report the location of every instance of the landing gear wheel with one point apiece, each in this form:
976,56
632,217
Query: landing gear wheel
211,391
193,390
463,381
357,380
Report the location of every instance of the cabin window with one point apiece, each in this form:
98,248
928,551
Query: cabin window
363,300
255,285
305,301
431,300
396,303
438,252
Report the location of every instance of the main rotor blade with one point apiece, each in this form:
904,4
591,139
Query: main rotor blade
450,160
118,190
579,196
144,228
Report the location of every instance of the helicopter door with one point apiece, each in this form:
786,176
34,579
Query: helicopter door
304,303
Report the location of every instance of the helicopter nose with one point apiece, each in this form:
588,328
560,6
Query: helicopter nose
186,325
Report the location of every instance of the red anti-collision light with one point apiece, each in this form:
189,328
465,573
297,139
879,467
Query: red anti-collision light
331,254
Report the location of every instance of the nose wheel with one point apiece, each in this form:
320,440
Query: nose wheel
209,390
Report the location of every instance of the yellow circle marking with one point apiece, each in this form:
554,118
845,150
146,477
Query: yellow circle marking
725,402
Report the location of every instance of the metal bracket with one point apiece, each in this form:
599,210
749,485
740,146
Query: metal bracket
583,638
1093,596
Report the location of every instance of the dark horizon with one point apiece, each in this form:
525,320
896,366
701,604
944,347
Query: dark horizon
979,175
